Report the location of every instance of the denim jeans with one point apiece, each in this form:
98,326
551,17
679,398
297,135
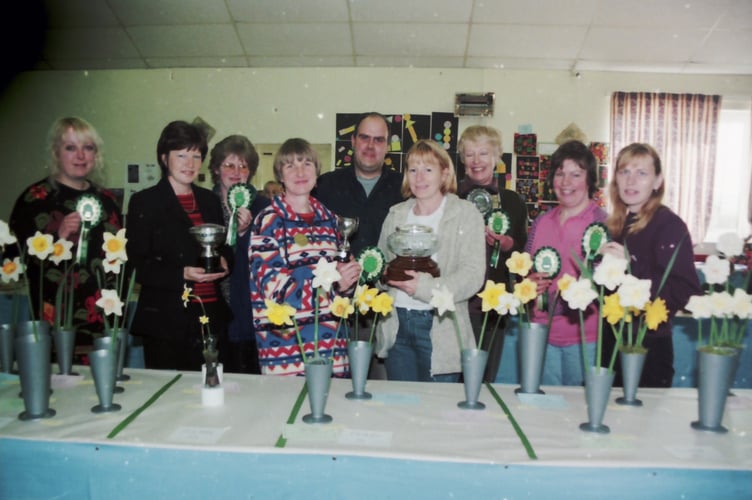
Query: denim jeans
409,358
564,366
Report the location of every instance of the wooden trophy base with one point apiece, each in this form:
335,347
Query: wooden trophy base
396,269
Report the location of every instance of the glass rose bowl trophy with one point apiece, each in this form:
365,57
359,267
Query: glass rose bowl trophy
210,237
414,244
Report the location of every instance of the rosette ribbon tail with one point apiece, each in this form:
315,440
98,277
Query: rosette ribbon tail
232,231
83,243
494,261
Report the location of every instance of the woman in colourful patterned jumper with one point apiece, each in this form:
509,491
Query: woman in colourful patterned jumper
49,206
287,240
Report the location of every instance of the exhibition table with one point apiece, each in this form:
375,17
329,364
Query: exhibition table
409,441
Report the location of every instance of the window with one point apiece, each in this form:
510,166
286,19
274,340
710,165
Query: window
731,182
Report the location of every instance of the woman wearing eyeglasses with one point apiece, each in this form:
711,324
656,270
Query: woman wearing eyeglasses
234,160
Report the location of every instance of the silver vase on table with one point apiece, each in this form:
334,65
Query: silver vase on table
473,367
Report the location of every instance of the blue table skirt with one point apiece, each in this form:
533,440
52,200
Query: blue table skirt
32,470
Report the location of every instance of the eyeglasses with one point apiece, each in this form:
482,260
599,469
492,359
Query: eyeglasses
233,166
368,138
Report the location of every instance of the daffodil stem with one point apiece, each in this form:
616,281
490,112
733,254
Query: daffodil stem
599,339
316,325
482,330
373,328
299,339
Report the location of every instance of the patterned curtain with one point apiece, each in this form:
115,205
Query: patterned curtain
683,129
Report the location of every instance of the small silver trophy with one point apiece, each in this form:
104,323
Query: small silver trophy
210,237
346,227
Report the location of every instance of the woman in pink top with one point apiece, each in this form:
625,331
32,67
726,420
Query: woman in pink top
573,177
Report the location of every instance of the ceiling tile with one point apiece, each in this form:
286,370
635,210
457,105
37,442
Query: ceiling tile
161,12
733,47
534,12
737,16
409,39
92,64
410,62
196,62
301,61
419,11
666,14
489,40
190,41
79,13
331,39
519,63
88,43
290,11
631,44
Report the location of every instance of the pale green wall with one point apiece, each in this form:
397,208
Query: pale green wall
130,107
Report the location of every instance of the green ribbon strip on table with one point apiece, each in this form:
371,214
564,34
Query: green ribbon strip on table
517,428
282,441
130,418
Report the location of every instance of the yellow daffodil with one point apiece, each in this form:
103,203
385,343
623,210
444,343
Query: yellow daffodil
204,320
612,309
564,282
382,303
519,263
491,294
40,245
526,290
11,270
61,250
341,307
186,295
279,314
656,313
114,245
364,295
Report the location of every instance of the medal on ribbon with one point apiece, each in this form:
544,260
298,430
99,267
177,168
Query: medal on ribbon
91,211
594,237
239,195
499,223
547,261
372,262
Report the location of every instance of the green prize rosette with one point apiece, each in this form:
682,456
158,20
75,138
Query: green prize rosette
548,261
499,223
91,211
372,263
239,195
594,237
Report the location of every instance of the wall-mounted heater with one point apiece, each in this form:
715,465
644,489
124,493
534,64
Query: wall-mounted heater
477,104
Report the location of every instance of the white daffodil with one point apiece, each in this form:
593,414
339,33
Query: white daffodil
508,304
325,274
40,245
634,292
716,270
11,270
730,245
442,300
6,238
611,271
721,304
699,306
114,246
112,266
580,294
61,250
741,304
110,302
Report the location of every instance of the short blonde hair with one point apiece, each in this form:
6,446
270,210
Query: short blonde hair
426,148
480,133
85,132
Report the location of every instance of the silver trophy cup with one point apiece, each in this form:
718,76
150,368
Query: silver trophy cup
346,227
210,237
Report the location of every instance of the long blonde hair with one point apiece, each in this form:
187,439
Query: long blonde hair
618,217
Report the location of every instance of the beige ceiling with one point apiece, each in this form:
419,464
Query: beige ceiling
676,36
